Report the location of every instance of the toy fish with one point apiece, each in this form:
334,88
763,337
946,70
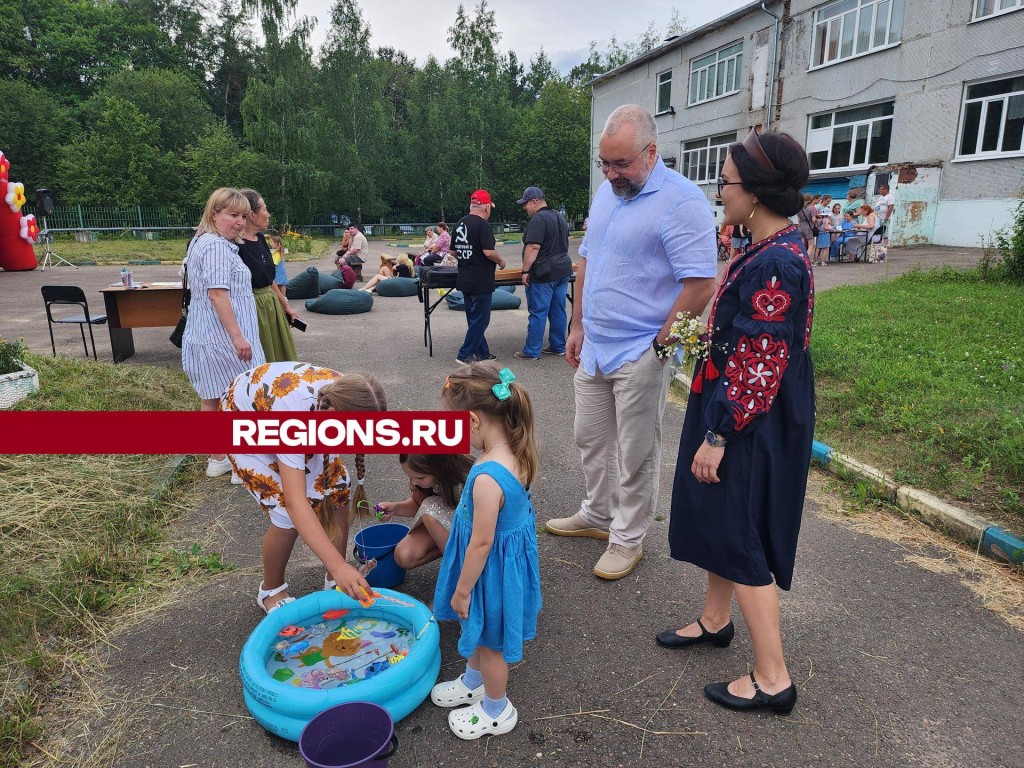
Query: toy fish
296,648
337,613
394,658
281,645
383,635
369,600
379,511
375,669
290,631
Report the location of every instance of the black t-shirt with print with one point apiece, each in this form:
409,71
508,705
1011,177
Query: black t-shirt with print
470,238
549,229
257,257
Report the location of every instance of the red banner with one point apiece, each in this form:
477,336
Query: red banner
155,432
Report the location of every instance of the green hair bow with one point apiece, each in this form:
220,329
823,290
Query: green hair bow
501,390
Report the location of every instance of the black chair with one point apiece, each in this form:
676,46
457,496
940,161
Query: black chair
75,296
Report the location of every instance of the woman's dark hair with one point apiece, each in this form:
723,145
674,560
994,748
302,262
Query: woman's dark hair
442,225
254,199
777,190
449,469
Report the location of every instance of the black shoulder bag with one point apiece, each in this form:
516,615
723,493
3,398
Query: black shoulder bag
186,297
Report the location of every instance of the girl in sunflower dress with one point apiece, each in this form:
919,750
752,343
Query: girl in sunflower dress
307,495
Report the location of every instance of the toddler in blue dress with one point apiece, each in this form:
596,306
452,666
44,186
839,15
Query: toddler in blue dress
489,580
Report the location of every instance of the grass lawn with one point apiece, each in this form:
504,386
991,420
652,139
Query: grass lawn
81,539
117,249
923,377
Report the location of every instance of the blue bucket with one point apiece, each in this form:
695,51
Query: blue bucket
379,542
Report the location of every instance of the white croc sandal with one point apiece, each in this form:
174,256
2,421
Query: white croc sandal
472,722
263,594
329,583
455,693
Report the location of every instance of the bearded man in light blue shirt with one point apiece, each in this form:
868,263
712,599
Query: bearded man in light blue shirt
648,253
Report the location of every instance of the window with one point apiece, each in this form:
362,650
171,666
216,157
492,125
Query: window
850,138
992,119
664,92
851,28
703,159
716,74
985,8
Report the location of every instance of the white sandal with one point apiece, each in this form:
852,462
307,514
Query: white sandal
329,583
472,722
455,693
263,594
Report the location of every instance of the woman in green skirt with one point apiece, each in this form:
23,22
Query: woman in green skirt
273,312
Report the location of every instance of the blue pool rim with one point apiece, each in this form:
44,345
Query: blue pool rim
284,709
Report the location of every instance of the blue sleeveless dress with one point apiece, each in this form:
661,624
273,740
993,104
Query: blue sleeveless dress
506,598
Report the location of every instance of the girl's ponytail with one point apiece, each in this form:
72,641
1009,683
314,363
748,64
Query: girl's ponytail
359,494
518,425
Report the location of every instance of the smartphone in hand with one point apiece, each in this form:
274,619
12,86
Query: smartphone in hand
298,325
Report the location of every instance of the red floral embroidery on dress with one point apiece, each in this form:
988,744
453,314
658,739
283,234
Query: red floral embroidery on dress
753,376
771,302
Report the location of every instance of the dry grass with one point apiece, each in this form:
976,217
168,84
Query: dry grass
999,587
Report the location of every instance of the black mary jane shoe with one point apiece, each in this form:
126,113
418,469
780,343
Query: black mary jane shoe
781,703
719,639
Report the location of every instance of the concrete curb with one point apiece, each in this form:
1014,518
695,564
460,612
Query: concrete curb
996,542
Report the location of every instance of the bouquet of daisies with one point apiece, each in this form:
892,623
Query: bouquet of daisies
689,336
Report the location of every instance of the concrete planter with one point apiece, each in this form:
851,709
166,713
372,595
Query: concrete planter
18,385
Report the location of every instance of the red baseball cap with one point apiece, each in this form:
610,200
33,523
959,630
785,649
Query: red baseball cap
481,197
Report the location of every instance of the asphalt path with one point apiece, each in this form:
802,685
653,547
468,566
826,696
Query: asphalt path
896,665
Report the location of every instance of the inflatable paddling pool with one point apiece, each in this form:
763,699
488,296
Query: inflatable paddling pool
326,649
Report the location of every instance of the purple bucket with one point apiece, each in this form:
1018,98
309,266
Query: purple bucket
356,733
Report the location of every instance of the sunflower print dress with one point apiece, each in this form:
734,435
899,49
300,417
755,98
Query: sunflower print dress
286,386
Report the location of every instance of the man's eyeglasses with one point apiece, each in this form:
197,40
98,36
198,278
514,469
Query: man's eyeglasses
723,183
620,167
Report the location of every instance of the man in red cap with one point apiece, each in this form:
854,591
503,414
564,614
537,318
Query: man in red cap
473,246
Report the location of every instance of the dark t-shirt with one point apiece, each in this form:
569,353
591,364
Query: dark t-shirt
402,270
470,238
550,231
257,257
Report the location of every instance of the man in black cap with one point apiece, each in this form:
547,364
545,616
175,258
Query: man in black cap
546,271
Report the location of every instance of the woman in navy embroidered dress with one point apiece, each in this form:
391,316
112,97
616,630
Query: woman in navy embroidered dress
746,442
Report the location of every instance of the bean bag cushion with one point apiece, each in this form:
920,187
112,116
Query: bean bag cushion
501,300
342,301
397,286
329,283
507,288
305,285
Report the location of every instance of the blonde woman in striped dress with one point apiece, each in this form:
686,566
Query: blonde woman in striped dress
222,337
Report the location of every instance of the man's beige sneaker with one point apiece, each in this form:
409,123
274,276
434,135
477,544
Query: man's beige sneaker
618,561
574,525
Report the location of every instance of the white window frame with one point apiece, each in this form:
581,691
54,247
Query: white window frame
713,149
1005,6
853,16
815,137
979,154
660,80
730,66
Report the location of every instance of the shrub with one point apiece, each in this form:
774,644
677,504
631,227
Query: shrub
10,351
1010,242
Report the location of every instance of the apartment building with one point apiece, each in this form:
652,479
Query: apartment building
926,95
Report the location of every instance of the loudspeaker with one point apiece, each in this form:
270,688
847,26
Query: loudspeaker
44,201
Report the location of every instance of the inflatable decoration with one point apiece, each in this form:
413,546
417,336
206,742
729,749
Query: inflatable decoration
15,195
29,228
16,231
326,649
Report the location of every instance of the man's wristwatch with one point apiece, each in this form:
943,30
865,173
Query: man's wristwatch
714,440
661,350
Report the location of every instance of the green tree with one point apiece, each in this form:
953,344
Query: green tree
232,62
217,160
551,147
33,125
284,121
172,100
121,161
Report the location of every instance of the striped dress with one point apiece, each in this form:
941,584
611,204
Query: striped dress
207,354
